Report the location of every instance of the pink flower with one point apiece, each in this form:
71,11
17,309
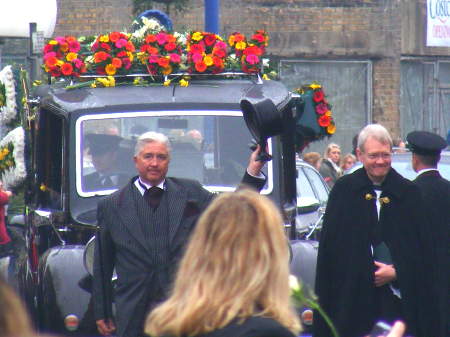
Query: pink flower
74,46
50,54
197,57
252,59
321,108
221,45
126,63
78,63
161,38
121,43
60,39
153,59
175,58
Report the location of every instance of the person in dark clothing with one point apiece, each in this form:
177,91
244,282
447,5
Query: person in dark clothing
370,253
144,227
103,149
234,277
426,150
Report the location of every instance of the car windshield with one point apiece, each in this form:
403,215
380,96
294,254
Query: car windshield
208,146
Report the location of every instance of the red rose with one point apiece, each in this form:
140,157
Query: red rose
200,66
318,96
324,121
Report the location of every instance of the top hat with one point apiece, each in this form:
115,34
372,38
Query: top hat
264,120
425,143
100,144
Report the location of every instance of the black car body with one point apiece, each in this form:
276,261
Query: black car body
60,214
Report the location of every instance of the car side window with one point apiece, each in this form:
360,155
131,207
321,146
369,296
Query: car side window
304,188
318,184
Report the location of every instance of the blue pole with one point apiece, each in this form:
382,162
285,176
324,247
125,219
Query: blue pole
212,16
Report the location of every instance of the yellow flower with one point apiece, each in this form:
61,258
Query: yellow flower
5,151
331,128
53,42
111,81
315,86
241,45
368,196
328,113
231,40
130,56
184,83
266,77
59,63
104,38
110,69
208,60
71,56
2,156
197,36
167,83
219,38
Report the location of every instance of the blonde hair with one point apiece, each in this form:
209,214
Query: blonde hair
14,320
235,266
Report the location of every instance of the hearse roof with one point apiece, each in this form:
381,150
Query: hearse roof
211,94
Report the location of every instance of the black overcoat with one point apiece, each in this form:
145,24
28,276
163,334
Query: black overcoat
436,195
121,244
345,266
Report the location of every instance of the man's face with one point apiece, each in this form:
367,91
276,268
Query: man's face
334,155
376,159
152,162
104,162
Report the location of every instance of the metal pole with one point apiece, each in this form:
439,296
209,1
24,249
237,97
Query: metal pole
31,56
212,16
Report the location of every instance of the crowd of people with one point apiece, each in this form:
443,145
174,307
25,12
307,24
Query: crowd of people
190,263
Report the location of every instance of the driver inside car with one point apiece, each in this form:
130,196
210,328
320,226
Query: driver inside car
103,149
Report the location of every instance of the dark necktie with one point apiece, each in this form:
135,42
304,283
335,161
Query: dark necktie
153,196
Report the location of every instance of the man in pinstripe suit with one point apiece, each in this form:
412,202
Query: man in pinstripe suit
144,239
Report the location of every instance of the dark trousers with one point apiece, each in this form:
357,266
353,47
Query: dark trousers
390,306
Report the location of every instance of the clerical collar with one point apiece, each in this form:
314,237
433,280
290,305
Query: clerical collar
140,184
426,170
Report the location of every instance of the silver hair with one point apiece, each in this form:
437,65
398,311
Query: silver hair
329,148
149,137
376,131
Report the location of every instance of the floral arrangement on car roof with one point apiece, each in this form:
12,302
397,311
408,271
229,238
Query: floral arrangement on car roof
159,53
206,53
61,57
113,54
314,119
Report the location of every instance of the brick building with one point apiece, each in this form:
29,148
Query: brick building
370,55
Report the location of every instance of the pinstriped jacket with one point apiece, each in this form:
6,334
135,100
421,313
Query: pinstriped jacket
120,244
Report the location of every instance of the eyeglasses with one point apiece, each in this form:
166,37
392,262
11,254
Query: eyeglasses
384,156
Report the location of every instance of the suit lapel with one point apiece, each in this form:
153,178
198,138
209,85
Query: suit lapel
176,200
129,216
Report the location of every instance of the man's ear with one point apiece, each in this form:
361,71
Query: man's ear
358,154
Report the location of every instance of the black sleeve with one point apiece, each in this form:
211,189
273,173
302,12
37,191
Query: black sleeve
103,267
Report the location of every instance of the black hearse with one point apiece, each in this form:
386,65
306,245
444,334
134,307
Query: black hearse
210,143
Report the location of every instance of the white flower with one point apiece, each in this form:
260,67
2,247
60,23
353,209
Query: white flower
293,283
265,62
15,175
8,112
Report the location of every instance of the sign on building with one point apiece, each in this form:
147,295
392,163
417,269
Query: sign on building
438,23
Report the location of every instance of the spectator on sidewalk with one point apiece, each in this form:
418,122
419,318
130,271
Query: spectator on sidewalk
329,168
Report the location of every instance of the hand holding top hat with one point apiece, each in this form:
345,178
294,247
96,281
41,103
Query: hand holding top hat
264,120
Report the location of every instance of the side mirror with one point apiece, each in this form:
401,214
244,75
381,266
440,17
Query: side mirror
307,205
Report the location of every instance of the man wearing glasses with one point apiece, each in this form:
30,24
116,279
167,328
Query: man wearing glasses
370,261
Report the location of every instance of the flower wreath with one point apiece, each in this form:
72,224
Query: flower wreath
113,54
206,53
12,158
314,119
161,53
61,57
8,105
